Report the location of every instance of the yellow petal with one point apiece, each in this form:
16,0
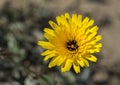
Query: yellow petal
59,21
90,23
92,58
47,52
76,68
48,36
98,45
81,63
91,36
85,21
85,62
49,31
94,41
49,56
78,22
67,66
94,29
65,22
46,45
54,61
61,60
67,16
74,18
97,38
91,50
53,25
97,49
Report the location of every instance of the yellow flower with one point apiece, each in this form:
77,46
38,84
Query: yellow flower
71,42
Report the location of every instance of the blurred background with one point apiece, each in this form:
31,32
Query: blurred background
21,26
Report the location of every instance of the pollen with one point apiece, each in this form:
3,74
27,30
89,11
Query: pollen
72,45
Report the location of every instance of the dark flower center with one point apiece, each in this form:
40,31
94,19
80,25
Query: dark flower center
72,45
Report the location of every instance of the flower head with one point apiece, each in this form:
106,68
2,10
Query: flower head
71,42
